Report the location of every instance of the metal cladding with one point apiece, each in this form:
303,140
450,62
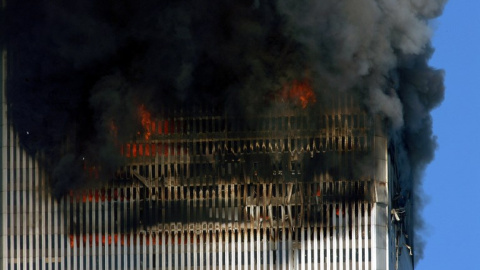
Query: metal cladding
207,191
219,123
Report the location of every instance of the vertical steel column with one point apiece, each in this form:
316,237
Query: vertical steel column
360,236
189,249
208,248
341,236
366,227
245,253
182,248
24,224
121,245
195,250
265,251
347,237
315,245
301,259
354,238
88,229
373,226
291,252
258,261
201,253
328,238
132,219
33,216
175,252
17,190
75,233
221,243
123,217
309,247
284,255
252,248
335,229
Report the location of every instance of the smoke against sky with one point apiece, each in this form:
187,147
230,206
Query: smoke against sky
76,66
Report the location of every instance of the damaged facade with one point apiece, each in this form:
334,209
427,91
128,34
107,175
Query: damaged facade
204,190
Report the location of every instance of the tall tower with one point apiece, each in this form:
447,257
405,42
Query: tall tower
205,190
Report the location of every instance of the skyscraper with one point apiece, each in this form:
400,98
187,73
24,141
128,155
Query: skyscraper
201,189
215,134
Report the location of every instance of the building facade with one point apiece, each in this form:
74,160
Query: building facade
204,190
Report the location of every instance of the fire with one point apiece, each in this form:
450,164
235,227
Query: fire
301,91
146,121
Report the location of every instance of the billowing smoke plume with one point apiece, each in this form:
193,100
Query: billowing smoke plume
78,70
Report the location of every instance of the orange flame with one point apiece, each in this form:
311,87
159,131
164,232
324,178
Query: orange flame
302,92
146,121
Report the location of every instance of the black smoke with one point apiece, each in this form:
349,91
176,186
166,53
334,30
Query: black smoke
77,67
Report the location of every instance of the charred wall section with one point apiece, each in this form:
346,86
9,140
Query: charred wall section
206,169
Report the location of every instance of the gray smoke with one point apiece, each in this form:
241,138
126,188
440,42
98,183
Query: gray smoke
380,50
76,67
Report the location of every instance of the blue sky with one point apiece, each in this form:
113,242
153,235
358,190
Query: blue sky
452,181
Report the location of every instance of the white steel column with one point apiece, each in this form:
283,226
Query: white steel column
195,251
366,229
354,240
244,236
309,247
151,255
341,236
86,244
33,216
252,249
315,246
137,243
121,245
17,208
334,237
131,218
201,253
257,238
214,247
374,236
182,248
24,209
327,246
164,252
208,250
347,237
301,250
264,249
360,236
284,261
189,249
291,252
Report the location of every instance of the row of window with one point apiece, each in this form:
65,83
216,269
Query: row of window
338,143
154,261
329,188
283,123
24,243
